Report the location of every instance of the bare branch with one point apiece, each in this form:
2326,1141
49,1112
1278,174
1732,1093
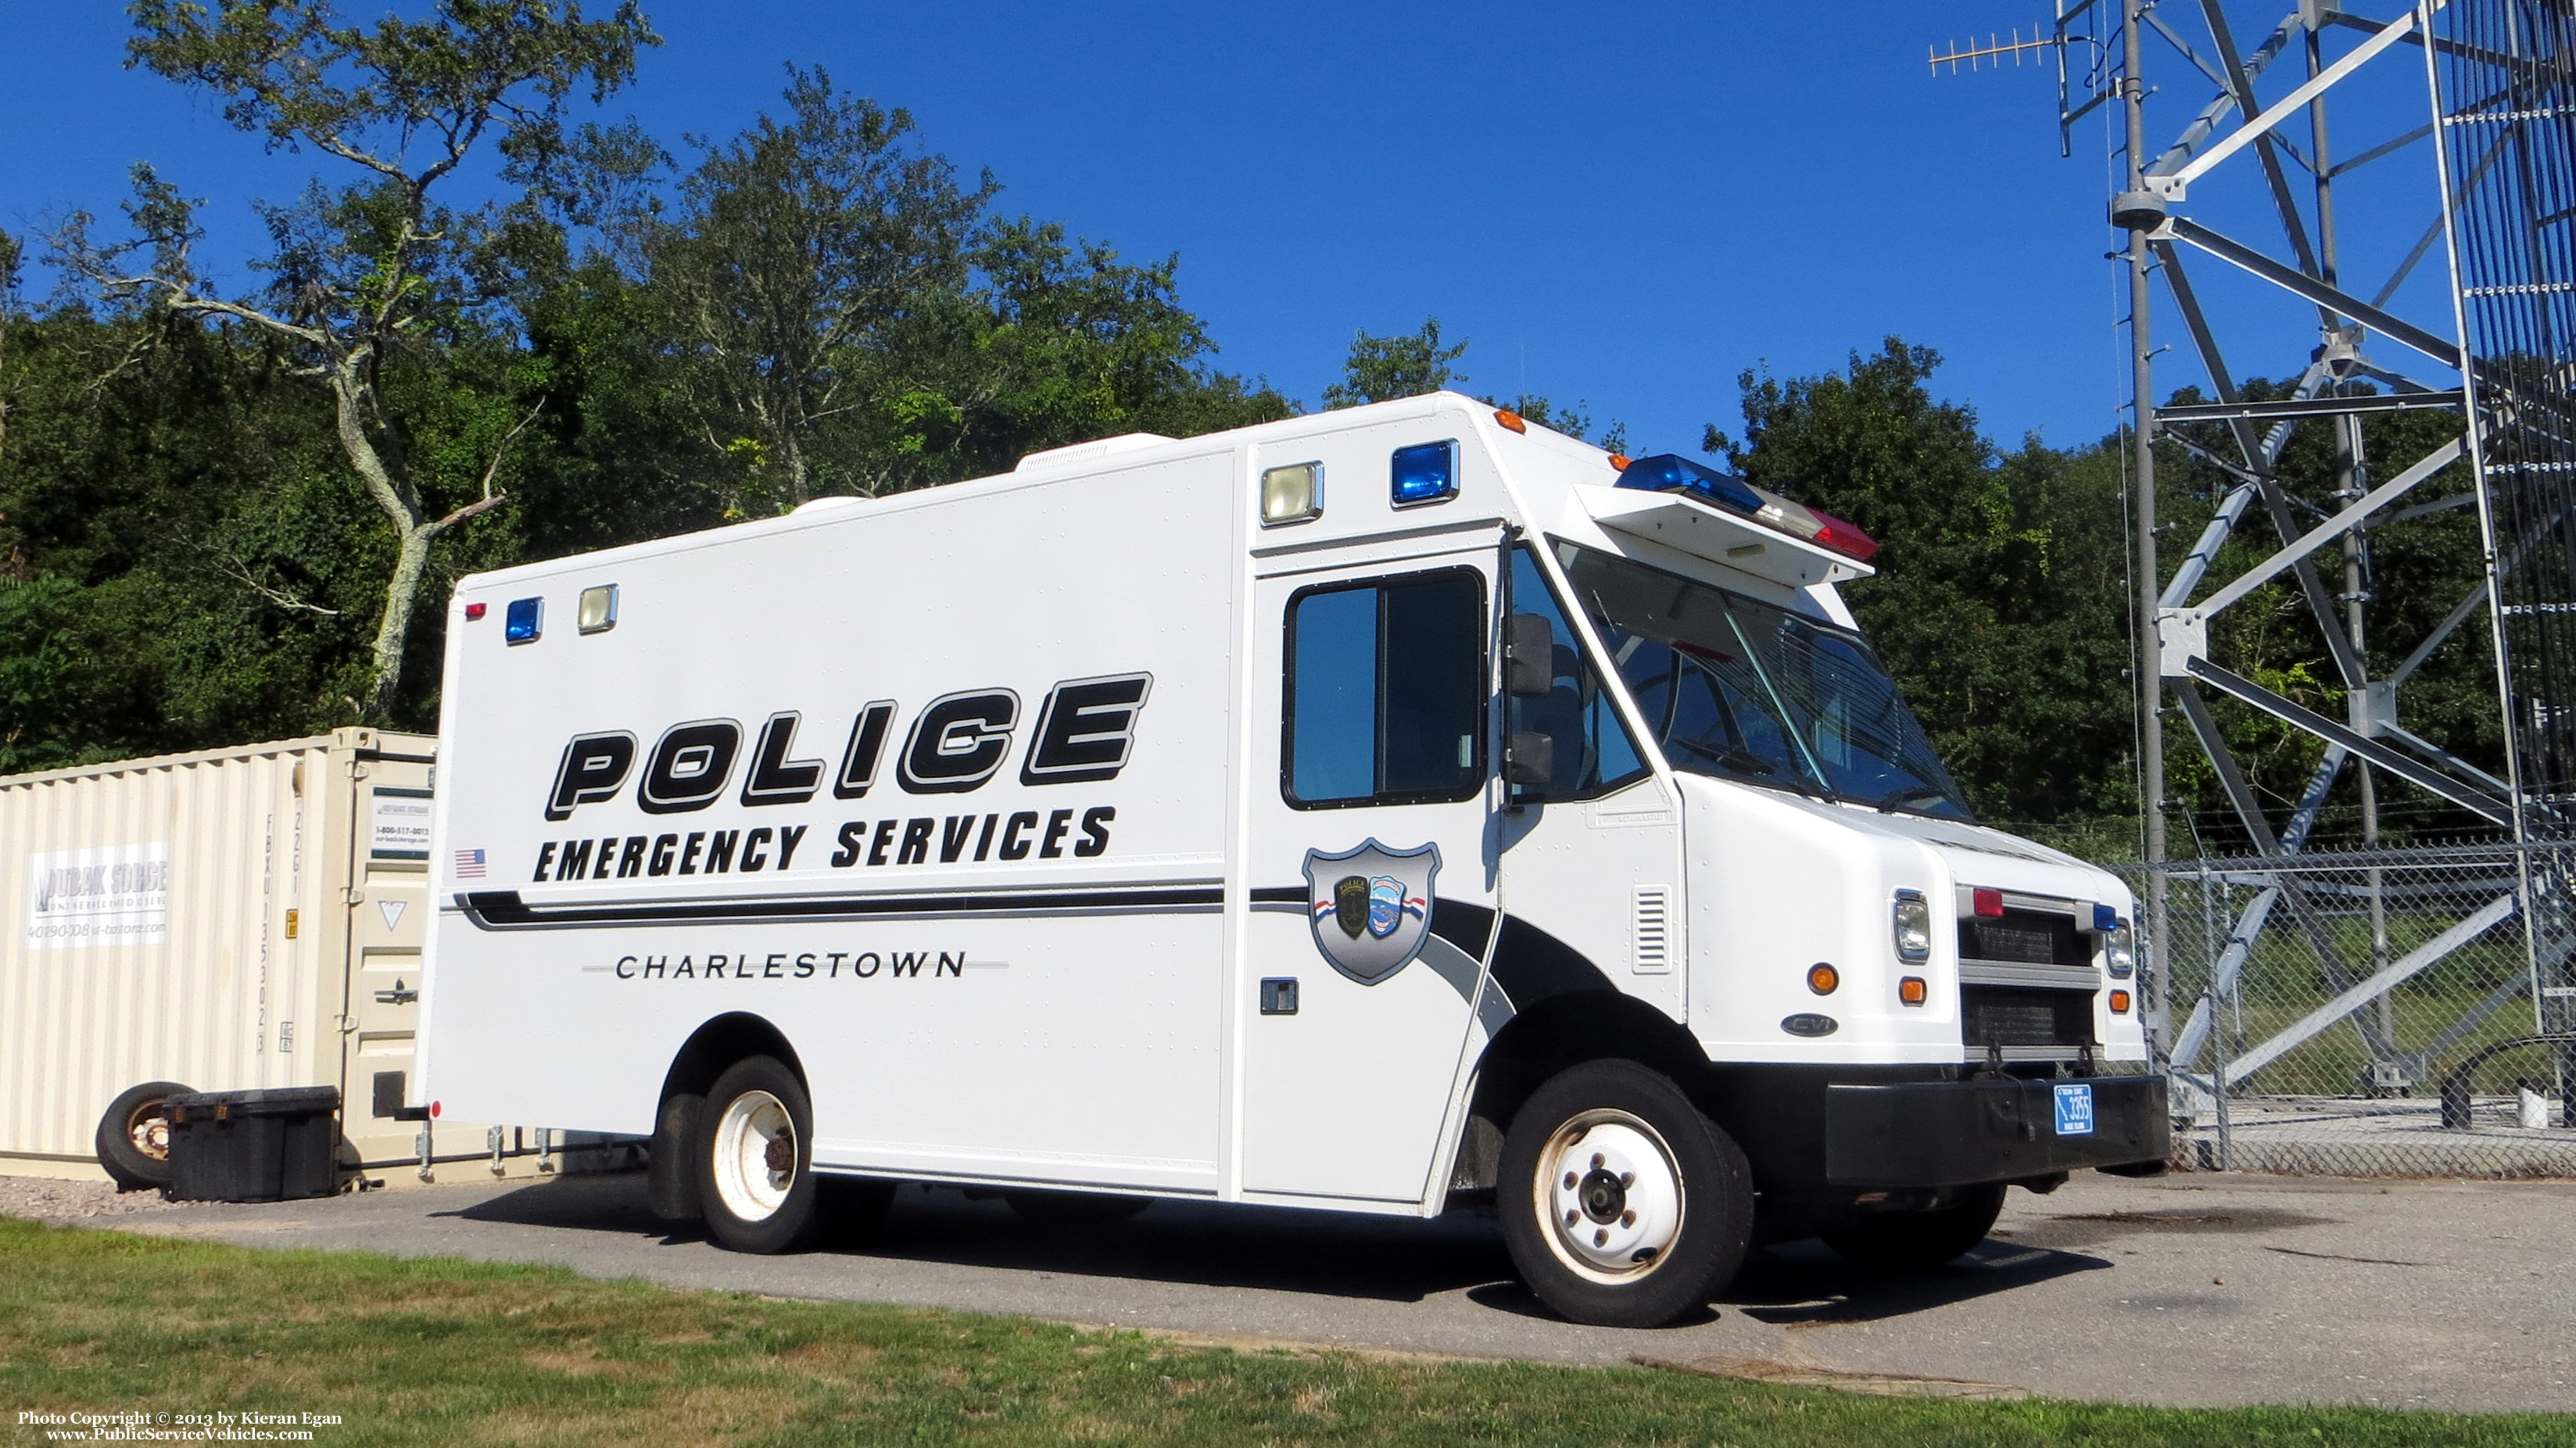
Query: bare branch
197,306
239,573
480,505
490,499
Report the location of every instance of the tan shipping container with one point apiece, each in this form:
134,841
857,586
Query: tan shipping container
230,919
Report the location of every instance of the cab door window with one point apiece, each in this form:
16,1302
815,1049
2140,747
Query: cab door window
1386,691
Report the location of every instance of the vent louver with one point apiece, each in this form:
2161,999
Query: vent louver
1650,941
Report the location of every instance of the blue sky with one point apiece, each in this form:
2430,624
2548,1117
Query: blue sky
1624,205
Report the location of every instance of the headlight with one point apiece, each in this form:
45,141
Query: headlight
2120,951
1913,926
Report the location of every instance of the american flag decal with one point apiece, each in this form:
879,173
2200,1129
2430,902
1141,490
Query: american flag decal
469,864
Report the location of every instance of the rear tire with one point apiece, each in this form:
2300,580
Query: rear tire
134,1136
1921,1241
1062,1210
755,1159
1622,1204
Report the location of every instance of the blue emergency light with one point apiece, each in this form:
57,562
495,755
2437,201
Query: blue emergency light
1425,473
521,624
2106,918
1673,473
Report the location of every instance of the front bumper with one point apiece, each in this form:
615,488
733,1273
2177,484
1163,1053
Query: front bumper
1958,1133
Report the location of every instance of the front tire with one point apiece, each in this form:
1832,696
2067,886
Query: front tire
1622,1204
1921,1241
755,1159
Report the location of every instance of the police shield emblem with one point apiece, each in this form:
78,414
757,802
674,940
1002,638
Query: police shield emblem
1371,907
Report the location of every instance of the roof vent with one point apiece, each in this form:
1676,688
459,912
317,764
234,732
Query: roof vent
1083,452
825,505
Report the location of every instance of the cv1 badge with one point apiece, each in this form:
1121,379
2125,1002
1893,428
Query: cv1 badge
1371,907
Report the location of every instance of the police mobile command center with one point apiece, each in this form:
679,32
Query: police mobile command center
1375,811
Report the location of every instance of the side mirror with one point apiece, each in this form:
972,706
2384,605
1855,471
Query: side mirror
1529,757
1529,656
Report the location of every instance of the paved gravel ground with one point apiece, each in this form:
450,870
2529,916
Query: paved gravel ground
2195,1289
63,1201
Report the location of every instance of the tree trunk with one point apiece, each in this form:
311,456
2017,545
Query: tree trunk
349,396
791,451
393,631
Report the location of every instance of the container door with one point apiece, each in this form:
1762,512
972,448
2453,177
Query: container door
1372,870
388,918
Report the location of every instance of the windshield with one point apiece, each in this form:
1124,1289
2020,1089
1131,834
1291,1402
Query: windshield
1747,691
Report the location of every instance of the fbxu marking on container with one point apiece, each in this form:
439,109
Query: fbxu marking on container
106,895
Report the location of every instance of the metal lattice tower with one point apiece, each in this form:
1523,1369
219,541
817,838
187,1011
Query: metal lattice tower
2243,228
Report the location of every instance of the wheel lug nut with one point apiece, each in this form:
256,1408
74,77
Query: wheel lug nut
1627,1180
1573,1217
1597,1160
1570,1180
1601,1238
1627,1219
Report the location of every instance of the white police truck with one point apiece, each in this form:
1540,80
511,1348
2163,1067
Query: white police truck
1378,811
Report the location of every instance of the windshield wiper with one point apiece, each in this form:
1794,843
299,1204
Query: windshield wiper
1888,802
1728,755
1745,761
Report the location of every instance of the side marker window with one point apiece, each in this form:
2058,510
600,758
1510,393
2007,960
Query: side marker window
1386,691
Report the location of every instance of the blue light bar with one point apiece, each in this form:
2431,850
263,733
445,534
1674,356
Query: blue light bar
2106,918
1425,473
1673,473
525,617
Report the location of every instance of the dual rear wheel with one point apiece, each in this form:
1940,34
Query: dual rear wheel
754,1160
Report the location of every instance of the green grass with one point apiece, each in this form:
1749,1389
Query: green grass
449,1352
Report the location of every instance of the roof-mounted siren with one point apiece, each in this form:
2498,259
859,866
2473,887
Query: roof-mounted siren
1673,473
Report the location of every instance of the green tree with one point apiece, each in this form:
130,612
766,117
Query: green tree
366,274
1064,343
1406,364
12,256
798,246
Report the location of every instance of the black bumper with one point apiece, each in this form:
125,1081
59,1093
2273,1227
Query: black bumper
1957,1133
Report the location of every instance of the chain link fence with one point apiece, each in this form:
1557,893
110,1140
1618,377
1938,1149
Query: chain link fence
2381,1013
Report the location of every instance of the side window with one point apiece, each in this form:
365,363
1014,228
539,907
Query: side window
1386,691
1593,751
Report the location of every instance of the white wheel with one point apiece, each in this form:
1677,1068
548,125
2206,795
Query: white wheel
1614,1195
754,1155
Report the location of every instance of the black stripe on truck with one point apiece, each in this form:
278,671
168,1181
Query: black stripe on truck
505,910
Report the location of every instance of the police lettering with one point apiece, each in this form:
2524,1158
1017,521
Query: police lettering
1085,733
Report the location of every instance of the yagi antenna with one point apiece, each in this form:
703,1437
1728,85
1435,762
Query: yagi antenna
1976,55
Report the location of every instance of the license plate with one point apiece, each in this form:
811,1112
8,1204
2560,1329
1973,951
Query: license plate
2074,1108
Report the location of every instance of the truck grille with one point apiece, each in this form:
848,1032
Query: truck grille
2013,1015
2024,938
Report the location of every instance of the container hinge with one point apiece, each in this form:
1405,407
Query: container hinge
353,896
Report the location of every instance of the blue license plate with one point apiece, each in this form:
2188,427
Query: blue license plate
2074,1108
